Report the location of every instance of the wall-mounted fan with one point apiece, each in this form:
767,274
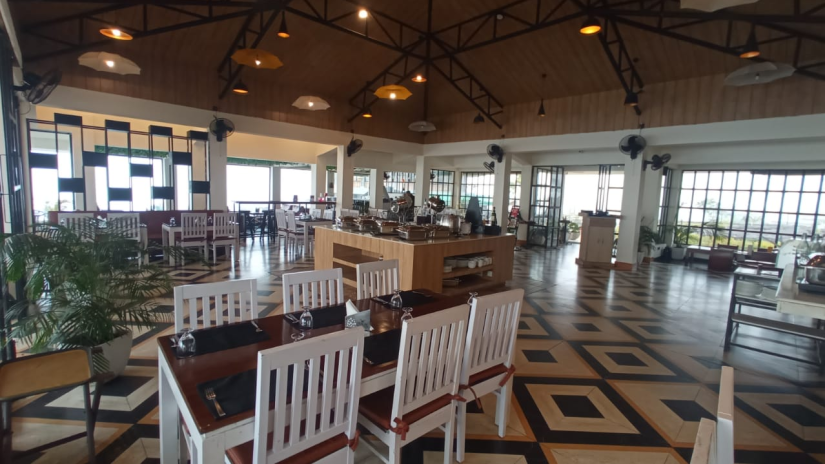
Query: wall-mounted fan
386,175
432,176
656,162
221,128
491,166
354,146
496,152
632,145
37,88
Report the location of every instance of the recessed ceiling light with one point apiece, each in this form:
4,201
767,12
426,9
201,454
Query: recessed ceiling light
115,33
362,13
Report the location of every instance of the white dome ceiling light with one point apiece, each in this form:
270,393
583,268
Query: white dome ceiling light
422,126
108,62
310,103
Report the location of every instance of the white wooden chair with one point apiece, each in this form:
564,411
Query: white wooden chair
315,213
193,232
376,278
328,214
128,226
210,297
294,233
426,384
79,223
488,366
374,212
313,288
224,233
330,403
714,440
283,233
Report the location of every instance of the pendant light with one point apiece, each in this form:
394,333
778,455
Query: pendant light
419,79
393,92
282,31
591,26
478,119
541,112
256,58
751,48
240,88
631,99
367,113
115,33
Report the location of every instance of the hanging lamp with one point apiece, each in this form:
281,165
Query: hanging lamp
393,92
256,58
751,48
478,119
240,88
631,99
590,26
282,31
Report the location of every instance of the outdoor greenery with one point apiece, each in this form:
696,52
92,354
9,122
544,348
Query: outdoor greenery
82,289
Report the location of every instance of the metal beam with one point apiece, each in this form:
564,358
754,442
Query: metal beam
620,60
723,15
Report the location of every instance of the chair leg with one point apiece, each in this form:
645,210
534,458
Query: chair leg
394,456
5,432
90,420
461,431
449,432
503,407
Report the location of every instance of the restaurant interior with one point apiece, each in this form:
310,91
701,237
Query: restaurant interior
485,231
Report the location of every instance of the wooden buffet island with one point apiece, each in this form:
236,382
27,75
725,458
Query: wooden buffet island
421,263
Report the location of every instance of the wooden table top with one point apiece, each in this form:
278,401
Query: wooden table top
189,372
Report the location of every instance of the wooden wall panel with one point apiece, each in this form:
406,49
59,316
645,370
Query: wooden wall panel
698,100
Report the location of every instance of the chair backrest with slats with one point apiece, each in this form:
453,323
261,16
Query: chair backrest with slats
280,217
315,213
79,223
313,288
377,278
239,298
223,225
330,367
193,225
290,221
429,359
328,214
125,224
491,336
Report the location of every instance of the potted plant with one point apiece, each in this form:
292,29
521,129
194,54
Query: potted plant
646,237
681,234
82,290
573,231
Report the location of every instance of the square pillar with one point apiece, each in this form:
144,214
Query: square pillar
632,196
345,171
422,180
275,183
524,201
376,192
217,173
501,192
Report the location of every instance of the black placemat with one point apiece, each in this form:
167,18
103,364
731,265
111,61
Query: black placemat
224,338
382,348
322,317
236,393
409,298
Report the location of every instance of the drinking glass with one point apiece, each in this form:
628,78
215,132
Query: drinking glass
186,343
305,322
407,314
396,302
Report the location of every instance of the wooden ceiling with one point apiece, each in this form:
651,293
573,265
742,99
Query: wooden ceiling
323,61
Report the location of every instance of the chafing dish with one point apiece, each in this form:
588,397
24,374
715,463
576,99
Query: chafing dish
368,225
815,270
387,227
347,222
437,231
413,233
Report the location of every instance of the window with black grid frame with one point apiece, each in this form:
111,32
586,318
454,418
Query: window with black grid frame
478,184
442,185
751,208
399,182
664,199
515,191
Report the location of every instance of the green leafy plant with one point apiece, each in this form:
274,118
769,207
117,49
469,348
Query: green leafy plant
82,289
573,228
646,237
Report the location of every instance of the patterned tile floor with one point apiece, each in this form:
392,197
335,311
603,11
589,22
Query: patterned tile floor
611,367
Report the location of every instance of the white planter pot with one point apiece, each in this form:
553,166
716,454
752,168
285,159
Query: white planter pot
573,236
117,352
640,256
678,253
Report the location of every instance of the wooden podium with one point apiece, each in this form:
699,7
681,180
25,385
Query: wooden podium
596,248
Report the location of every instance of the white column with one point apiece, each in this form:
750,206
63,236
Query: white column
217,173
344,176
631,214
501,191
457,190
199,169
422,180
650,200
376,192
275,182
524,201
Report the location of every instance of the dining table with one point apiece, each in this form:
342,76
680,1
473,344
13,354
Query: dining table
179,378
308,223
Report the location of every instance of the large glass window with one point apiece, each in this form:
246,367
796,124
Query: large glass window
515,191
397,183
478,184
442,185
296,182
664,199
247,183
757,208
45,196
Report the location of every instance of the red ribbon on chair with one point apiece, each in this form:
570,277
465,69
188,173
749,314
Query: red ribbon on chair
354,442
401,429
510,371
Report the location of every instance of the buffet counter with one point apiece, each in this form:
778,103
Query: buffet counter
421,262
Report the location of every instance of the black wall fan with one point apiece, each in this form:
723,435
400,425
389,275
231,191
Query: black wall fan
632,145
656,162
37,88
354,146
221,128
495,152
491,166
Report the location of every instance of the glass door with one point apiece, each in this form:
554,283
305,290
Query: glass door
546,194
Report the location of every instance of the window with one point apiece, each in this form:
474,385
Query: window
399,182
664,199
751,208
183,194
515,191
361,187
442,185
142,186
247,183
478,184
45,196
296,182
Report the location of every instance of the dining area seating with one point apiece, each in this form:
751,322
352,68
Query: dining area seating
229,379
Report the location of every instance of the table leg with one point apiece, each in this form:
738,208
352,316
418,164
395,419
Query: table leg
306,239
171,241
164,242
169,419
144,241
